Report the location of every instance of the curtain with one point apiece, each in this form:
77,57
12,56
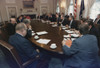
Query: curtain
67,6
88,6
55,5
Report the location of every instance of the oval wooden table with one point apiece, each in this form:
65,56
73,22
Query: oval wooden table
54,34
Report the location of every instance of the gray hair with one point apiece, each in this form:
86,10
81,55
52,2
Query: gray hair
26,21
84,28
20,26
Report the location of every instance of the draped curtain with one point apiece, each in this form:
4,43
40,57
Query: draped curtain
88,7
67,6
55,5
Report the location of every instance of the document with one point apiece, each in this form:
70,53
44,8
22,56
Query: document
75,35
66,36
73,39
68,31
54,25
43,41
33,34
42,32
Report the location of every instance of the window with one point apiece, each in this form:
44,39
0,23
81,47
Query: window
95,10
71,8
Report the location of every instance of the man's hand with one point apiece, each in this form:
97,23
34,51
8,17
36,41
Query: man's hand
38,50
63,42
30,27
67,43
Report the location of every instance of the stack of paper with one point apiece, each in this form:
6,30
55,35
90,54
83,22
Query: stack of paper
68,31
43,41
42,32
54,25
73,39
33,34
64,28
66,36
75,35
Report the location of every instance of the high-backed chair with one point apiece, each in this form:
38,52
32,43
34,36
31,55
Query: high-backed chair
12,56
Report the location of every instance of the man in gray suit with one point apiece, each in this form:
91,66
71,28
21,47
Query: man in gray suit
83,53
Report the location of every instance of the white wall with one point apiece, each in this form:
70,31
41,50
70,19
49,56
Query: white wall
19,5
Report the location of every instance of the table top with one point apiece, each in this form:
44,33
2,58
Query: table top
55,34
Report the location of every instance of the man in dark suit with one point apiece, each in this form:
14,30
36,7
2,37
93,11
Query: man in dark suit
20,19
92,29
11,26
23,46
72,23
97,20
83,53
65,21
29,28
58,17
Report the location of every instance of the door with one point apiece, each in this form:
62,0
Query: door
11,11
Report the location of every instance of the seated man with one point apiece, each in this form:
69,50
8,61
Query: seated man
65,21
92,29
29,28
72,23
11,26
83,53
24,47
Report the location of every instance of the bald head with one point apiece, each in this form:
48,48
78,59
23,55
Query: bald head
21,29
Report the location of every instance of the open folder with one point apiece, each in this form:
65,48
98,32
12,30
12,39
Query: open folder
69,43
43,41
42,32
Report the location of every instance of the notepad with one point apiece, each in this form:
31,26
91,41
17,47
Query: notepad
43,41
42,32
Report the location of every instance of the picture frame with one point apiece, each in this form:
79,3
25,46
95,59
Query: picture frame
28,3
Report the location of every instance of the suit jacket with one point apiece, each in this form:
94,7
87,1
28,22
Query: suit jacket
11,28
98,22
54,19
73,24
58,21
94,31
65,22
83,53
24,47
29,34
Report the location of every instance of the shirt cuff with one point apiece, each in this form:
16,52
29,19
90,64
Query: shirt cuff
66,46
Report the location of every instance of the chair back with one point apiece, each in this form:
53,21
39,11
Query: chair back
11,55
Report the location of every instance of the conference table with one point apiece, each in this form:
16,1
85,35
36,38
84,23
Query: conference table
55,34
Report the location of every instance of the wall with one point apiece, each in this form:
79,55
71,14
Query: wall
39,8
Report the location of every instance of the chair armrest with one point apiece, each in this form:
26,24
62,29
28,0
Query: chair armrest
29,61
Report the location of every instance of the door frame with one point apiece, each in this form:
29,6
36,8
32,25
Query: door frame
8,11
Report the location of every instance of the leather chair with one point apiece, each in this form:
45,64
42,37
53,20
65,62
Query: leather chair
12,56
